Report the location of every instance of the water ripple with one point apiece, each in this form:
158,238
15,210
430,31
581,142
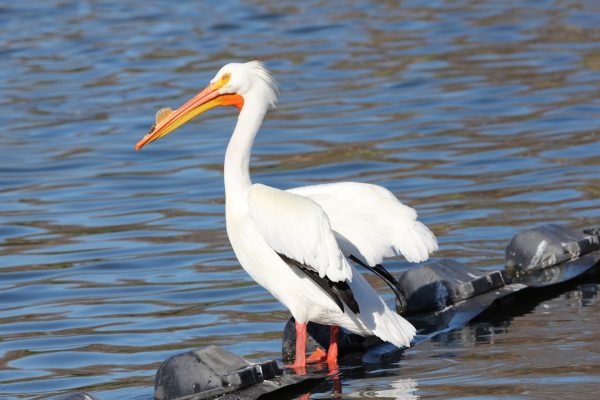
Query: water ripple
482,115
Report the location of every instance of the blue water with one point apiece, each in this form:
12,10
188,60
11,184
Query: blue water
484,116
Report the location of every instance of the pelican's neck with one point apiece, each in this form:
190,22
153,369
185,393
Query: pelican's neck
237,157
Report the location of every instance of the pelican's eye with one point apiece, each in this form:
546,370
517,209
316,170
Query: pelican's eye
225,78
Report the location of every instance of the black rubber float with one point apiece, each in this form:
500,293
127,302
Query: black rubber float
215,373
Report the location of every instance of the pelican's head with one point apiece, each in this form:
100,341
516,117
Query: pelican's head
233,85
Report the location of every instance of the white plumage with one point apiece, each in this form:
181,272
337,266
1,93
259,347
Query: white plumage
370,223
306,300
279,216
317,227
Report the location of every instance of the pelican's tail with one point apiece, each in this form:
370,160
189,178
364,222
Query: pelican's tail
375,317
391,327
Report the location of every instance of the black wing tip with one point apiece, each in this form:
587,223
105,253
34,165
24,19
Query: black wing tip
388,278
340,292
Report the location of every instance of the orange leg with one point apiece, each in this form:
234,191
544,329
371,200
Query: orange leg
301,337
332,352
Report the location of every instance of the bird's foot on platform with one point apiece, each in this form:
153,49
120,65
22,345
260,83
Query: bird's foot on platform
317,356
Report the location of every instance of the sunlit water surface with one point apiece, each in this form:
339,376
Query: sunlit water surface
484,116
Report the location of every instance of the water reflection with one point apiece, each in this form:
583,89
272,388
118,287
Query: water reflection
394,389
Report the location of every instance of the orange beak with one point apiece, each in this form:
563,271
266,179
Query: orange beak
202,102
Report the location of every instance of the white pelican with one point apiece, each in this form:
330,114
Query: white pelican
297,243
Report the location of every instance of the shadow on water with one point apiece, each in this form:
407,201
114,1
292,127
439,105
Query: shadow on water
481,115
585,288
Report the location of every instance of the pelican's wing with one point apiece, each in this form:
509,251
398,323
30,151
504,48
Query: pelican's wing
370,223
297,228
